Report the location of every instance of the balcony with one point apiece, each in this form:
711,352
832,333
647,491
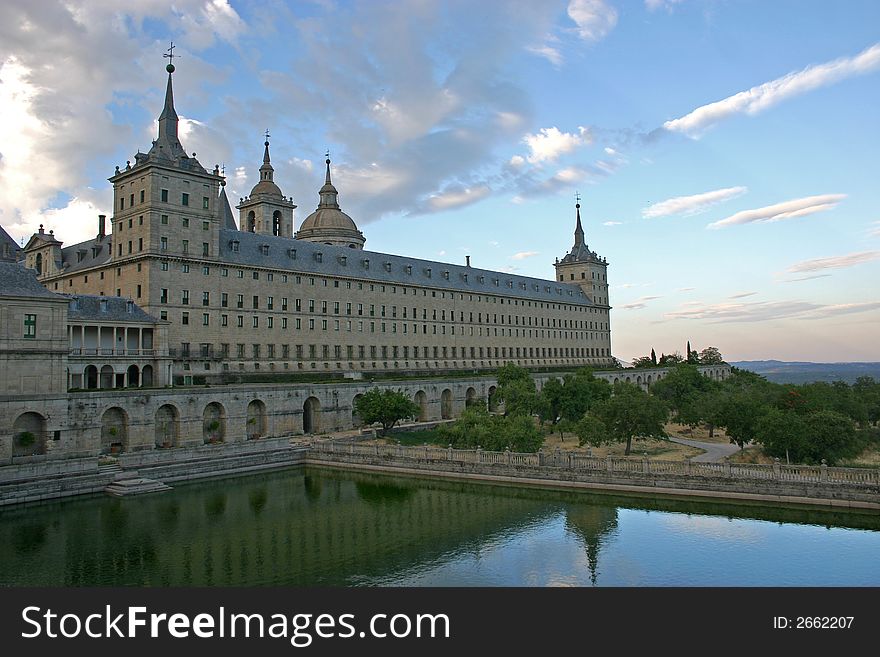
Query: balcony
106,351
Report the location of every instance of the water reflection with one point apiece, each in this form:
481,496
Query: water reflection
326,527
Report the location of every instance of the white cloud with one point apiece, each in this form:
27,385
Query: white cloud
742,295
639,303
761,97
594,18
549,143
668,5
551,54
305,165
456,198
612,223
834,262
686,289
799,207
522,255
517,161
767,311
875,231
690,205
806,278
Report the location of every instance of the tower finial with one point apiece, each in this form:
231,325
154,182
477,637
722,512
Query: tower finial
327,161
578,229
170,55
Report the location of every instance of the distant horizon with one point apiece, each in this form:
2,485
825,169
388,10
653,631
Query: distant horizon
722,152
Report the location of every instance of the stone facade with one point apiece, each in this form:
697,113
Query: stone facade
251,299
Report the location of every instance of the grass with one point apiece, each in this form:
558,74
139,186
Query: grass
659,450
699,433
410,438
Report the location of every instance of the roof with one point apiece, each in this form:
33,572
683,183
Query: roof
227,219
9,248
90,253
17,281
300,256
110,309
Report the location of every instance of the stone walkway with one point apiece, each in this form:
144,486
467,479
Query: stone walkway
713,451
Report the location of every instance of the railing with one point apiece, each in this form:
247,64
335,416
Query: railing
579,462
92,351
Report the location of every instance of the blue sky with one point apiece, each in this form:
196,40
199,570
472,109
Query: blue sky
725,151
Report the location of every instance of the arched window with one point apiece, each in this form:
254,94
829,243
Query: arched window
39,263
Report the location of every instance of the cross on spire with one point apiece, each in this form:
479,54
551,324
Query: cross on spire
267,134
170,54
577,197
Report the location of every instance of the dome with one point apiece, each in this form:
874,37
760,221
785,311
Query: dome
266,187
329,218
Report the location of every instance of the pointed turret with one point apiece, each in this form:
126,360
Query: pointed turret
168,120
579,230
227,218
328,224
266,210
329,195
266,170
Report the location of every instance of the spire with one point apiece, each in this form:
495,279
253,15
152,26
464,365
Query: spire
266,171
328,193
578,230
168,118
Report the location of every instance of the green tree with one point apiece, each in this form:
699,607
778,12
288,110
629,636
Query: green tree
653,357
830,436
682,390
782,434
629,413
668,360
387,407
643,361
516,389
740,412
478,428
710,356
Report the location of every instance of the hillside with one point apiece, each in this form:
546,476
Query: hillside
805,372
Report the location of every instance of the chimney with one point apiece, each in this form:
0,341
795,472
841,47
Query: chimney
102,225
467,260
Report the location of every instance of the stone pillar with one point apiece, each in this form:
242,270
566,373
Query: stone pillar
823,471
645,464
609,466
776,469
727,466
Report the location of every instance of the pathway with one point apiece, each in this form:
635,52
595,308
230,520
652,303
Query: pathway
713,451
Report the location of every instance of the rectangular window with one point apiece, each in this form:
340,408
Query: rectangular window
185,297
256,321
205,203
224,299
30,327
184,319
270,303
164,220
239,321
163,298
256,301
239,301
205,319
185,246
184,199
269,322
206,298
142,196
138,291
185,221
164,195
184,268
163,243
204,248
206,270
224,320
239,350
140,244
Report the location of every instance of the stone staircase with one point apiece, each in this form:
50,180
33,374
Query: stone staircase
128,483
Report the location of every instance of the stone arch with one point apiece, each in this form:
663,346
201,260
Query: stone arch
29,434
108,376
147,376
132,377
421,400
639,379
616,380
114,431
90,377
648,381
214,423
629,379
167,426
39,263
276,223
257,422
493,402
312,415
470,397
355,418
251,222
446,404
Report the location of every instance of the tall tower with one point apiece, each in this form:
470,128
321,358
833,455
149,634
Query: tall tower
266,211
586,269
328,224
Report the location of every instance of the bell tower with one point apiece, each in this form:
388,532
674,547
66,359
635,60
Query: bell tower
266,210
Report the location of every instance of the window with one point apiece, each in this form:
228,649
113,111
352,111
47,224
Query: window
163,243
163,298
256,321
205,204
184,199
204,248
239,301
205,319
164,220
30,327
269,322
184,319
224,320
224,299
206,298
185,246
164,195
206,270
142,196
270,303
256,302
239,321
184,268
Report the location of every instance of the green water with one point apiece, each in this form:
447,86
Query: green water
304,527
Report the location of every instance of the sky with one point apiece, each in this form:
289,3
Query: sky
725,151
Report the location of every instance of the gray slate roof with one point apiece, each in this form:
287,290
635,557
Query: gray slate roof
13,246
227,218
70,256
17,281
300,256
88,307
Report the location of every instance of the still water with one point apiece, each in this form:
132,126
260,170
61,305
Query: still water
304,527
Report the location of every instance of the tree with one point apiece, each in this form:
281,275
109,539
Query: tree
710,356
387,407
477,428
668,360
782,433
629,413
682,390
653,357
550,403
516,389
644,361
564,403
740,413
